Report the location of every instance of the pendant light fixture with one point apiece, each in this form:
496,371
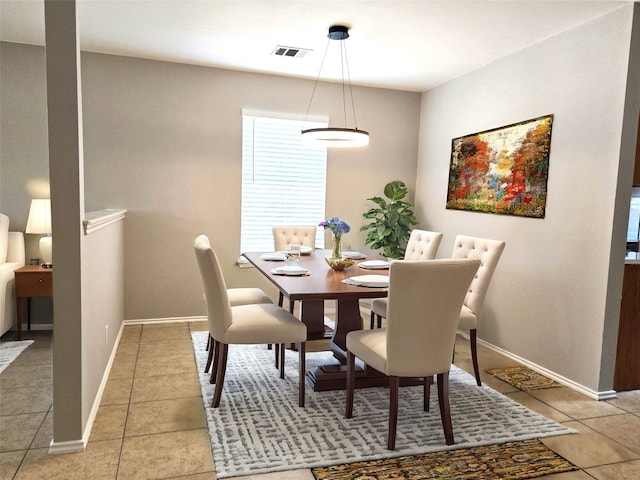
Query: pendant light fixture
341,137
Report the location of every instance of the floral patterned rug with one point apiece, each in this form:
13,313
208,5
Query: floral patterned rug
509,461
523,378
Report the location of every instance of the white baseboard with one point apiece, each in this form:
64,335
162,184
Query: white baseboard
73,446
164,320
605,395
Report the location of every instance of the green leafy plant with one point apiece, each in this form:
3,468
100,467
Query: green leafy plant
391,221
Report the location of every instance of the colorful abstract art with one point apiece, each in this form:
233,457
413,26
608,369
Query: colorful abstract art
503,170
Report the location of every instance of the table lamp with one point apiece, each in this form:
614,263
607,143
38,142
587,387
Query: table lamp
39,222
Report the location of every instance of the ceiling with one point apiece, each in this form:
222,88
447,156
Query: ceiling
409,45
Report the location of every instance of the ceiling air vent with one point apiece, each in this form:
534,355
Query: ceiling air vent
294,52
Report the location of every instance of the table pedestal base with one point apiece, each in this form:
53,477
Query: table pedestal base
334,377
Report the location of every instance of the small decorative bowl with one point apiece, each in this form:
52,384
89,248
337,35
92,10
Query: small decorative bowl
339,263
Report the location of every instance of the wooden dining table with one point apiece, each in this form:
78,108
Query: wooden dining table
322,283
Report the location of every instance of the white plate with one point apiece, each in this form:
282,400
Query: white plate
376,281
273,257
293,270
354,255
374,264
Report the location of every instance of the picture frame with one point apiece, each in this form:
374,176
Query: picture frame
503,170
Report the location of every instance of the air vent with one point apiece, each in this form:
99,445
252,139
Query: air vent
293,52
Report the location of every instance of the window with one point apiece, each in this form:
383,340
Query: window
283,180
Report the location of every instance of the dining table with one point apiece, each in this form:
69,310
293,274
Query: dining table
312,289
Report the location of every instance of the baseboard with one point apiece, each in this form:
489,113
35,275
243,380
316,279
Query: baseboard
73,446
604,395
142,321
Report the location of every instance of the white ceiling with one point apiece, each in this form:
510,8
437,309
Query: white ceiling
401,44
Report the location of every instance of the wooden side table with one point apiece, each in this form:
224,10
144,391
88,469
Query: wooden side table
31,281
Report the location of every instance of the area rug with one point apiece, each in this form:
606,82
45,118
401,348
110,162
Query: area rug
9,351
259,427
509,461
523,378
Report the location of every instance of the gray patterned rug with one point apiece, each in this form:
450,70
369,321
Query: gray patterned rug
9,351
259,427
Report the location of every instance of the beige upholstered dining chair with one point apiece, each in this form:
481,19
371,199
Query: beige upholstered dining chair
244,324
239,296
489,252
422,245
423,309
286,235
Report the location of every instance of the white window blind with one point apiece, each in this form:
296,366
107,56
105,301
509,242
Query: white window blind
283,180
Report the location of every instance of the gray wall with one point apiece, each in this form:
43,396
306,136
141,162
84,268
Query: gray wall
163,141
555,297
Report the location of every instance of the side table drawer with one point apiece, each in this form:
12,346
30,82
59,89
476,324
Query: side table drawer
34,284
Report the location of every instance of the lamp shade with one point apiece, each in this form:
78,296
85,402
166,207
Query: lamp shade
39,220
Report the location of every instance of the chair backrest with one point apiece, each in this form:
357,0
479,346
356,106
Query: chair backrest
488,251
215,289
286,235
4,237
423,309
422,245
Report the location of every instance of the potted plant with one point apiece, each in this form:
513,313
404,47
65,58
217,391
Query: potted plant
391,221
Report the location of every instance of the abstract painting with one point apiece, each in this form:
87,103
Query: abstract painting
503,170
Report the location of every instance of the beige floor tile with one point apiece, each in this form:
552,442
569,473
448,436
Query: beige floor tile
109,423
164,332
197,476
619,471
117,391
574,404
131,334
27,376
33,356
628,401
98,462
45,433
537,406
179,346
9,463
624,429
199,326
163,387
127,350
165,365
18,430
165,416
14,401
577,475
300,474
588,448
123,367
166,455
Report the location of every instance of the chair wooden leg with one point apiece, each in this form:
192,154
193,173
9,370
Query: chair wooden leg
474,354
379,321
302,370
428,381
215,346
223,348
209,356
282,349
277,355
351,383
280,299
445,411
394,387
372,321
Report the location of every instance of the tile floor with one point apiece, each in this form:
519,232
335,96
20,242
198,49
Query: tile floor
151,423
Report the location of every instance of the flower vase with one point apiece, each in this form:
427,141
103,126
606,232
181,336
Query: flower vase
337,250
